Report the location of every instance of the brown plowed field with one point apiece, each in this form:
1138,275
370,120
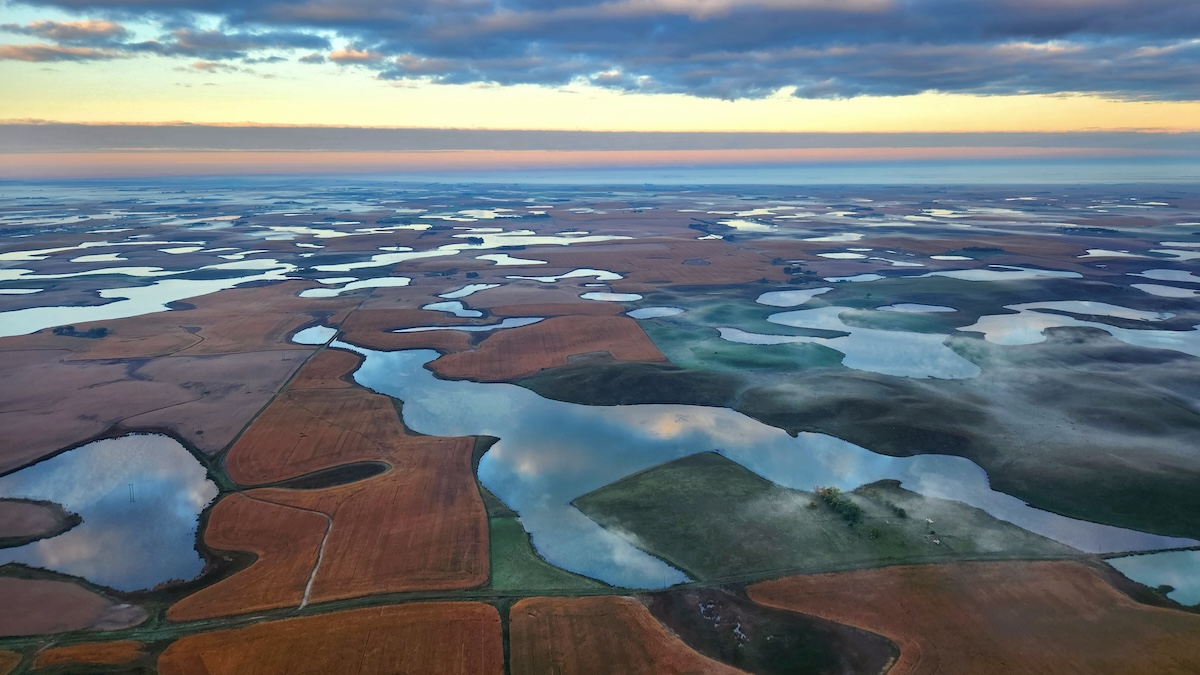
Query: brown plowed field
286,541
529,292
597,635
28,520
231,321
519,352
1010,617
387,320
8,661
454,638
37,606
308,430
327,369
107,653
581,308
206,400
445,341
373,329
645,268
421,526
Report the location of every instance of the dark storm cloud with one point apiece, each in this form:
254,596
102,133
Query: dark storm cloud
736,48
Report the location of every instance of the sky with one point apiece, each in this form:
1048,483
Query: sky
952,68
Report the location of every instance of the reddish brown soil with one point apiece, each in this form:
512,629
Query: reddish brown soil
445,341
37,606
285,540
373,329
597,635
308,430
519,352
421,526
581,308
528,292
8,662
233,320
207,400
1011,617
645,268
29,520
107,653
327,369
457,638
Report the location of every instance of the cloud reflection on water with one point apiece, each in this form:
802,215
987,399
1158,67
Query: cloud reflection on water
126,544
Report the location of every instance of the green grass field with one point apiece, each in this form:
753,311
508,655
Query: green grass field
714,519
517,567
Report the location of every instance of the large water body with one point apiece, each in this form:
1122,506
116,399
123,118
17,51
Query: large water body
551,452
140,497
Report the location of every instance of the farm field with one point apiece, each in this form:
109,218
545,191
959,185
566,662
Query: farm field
95,653
283,426
436,638
998,618
715,520
598,635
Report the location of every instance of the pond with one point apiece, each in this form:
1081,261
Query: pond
139,300
551,452
1028,326
1180,569
140,497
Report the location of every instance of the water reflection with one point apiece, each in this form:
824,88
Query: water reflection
654,312
790,298
1028,326
600,275
890,352
453,307
551,452
1180,569
381,282
603,296
138,300
915,308
139,496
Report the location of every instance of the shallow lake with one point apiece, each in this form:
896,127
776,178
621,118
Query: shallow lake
1180,569
139,496
551,452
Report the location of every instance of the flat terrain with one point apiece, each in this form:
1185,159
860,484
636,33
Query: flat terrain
285,542
206,400
23,521
105,653
419,526
520,352
579,636
516,566
35,606
730,628
342,541
461,638
327,369
307,430
232,321
1038,617
715,519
